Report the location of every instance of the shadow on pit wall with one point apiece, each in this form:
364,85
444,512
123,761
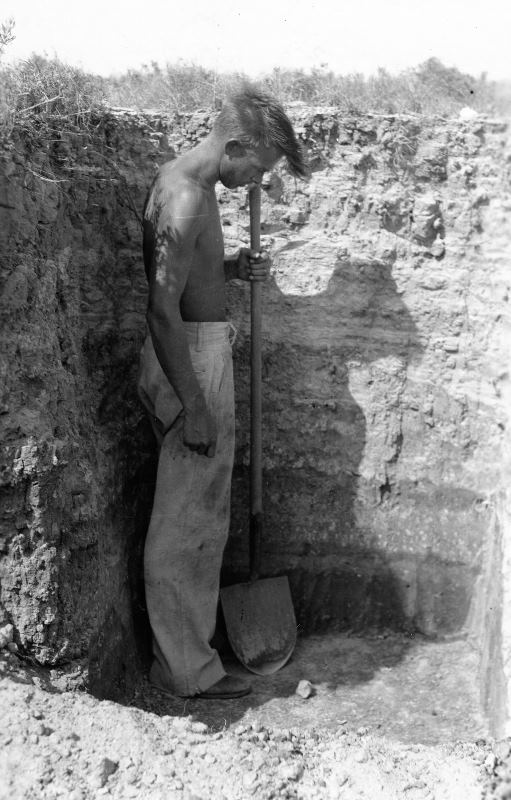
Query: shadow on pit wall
314,440
340,581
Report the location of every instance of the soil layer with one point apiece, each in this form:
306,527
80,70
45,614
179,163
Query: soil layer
388,717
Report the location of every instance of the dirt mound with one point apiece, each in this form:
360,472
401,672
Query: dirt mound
273,744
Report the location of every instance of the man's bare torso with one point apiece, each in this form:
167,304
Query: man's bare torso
203,296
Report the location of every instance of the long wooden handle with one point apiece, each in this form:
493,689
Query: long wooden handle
256,472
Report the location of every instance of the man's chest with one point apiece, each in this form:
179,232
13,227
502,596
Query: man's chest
211,241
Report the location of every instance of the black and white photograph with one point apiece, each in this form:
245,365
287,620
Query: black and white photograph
255,400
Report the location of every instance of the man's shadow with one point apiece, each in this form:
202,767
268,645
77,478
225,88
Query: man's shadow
320,334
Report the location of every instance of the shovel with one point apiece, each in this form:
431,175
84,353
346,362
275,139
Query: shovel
259,615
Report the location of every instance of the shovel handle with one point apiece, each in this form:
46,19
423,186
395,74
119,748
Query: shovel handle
256,473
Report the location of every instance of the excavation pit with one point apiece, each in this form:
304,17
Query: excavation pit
385,414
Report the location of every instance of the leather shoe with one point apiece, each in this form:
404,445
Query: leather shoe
227,688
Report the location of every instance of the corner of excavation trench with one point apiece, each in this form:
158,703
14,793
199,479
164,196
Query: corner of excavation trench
386,468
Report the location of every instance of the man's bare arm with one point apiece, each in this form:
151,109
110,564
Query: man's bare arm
179,225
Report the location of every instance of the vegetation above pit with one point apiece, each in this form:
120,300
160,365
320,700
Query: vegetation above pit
40,88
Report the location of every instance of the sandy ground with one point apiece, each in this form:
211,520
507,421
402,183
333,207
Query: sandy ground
388,717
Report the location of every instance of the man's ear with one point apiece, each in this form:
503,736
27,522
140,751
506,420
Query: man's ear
234,149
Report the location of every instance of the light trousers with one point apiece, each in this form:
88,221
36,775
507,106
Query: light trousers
190,517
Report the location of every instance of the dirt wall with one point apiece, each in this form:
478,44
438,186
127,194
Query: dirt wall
384,368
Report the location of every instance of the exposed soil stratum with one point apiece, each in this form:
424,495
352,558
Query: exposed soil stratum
386,461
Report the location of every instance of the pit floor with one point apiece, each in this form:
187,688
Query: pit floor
403,687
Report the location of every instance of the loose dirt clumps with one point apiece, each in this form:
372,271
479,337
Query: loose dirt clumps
68,744
72,746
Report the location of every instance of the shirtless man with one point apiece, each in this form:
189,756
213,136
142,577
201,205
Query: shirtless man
185,382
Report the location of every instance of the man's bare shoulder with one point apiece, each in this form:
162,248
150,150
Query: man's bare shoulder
175,196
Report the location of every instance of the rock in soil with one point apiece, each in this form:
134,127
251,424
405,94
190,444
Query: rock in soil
271,744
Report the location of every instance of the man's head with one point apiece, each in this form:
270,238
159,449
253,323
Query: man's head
256,133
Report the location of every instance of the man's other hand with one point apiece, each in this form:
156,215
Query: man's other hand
199,430
253,265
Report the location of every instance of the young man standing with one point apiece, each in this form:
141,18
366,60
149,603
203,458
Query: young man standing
186,383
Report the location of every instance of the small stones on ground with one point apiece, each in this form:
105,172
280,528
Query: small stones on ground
108,750
198,727
6,633
102,772
304,689
333,788
249,780
342,777
257,727
502,749
130,774
361,755
183,723
290,771
490,762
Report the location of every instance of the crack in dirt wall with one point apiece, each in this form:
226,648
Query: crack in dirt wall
384,361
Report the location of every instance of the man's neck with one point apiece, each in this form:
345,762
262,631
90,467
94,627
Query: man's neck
205,162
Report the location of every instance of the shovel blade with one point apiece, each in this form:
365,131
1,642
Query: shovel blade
260,622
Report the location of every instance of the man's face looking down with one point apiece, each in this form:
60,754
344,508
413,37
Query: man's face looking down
245,165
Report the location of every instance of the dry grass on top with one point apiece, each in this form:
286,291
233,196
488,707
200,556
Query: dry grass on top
40,88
